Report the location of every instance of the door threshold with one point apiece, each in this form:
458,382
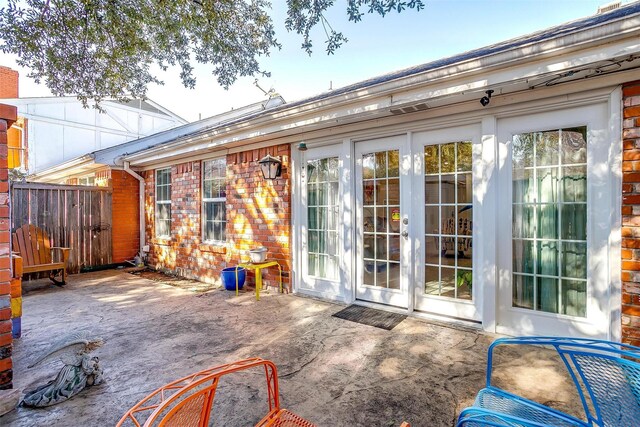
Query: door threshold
420,315
447,321
381,306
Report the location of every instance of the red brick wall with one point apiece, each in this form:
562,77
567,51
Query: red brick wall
258,214
7,116
125,218
8,83
631,214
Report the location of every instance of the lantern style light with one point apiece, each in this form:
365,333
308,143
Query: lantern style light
271,167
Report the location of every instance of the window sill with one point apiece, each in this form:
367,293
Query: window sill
217,248
163,241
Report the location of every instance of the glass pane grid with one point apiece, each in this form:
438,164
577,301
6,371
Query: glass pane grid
215,222
163,202
214,180
214,215
549,221
448,220
381,219
322,218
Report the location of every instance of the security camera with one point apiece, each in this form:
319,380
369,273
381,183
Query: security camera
485,100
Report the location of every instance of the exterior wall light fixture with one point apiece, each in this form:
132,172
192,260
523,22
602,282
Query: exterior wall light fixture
271,167
302,146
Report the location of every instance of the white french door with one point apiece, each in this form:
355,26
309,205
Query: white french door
554,223
383,197
443,200
320,233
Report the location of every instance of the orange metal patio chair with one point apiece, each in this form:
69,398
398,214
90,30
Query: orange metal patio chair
188,401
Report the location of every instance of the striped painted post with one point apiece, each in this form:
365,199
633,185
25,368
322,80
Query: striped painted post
16,298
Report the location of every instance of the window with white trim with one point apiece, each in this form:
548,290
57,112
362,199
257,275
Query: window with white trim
214,200
87,180
163,202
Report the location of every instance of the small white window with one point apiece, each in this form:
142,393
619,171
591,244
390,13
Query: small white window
87,180
214,199
163,202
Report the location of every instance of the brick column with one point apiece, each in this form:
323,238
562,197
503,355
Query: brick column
631,214
8,115
8,83
125,215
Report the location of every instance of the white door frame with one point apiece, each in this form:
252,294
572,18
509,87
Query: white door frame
338,289
444,306
600,179
393,297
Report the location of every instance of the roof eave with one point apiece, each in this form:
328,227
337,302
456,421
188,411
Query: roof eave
620,29
63,170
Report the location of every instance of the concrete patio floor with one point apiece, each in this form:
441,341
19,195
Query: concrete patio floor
332,372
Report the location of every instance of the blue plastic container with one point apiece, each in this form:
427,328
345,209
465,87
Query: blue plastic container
16,327
229,277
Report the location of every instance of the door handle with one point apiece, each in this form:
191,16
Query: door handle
405,234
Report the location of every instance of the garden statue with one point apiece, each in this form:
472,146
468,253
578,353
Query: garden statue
80,370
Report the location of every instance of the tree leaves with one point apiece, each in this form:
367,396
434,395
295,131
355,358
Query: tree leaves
97,49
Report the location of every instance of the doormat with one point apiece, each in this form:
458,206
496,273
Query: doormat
371,317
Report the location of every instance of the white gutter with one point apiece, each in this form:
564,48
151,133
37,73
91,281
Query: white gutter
141,202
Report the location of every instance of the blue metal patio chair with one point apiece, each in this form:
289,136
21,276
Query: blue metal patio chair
607,379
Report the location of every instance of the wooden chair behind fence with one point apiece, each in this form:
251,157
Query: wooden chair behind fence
38,254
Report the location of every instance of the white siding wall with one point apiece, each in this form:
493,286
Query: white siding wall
60,130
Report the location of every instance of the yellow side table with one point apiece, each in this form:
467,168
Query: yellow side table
258,269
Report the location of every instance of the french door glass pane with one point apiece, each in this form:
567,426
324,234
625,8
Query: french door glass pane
523,186
368,164
574,146
322,218
523,258
448,215
432,159
575,260
549,227
432,280
432,189
547,298
381,164
381,219
523,287
574,184
546,148
448,158
465,189
574,297
394,164
524,225
547,257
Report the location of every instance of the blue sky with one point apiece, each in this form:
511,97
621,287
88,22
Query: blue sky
376,46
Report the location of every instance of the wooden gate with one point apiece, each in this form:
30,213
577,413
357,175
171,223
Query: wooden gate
74,216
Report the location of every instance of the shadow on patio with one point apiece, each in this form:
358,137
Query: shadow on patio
332,372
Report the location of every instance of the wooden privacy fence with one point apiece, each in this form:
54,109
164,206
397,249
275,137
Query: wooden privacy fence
74,216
